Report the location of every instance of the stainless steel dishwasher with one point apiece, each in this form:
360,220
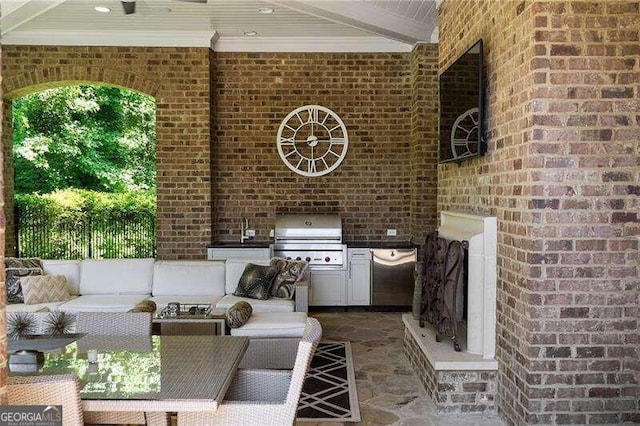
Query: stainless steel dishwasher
392,279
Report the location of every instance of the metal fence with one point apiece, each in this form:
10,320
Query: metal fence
84,235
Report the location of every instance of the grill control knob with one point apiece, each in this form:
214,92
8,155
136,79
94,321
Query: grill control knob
298,258
308,259
327,259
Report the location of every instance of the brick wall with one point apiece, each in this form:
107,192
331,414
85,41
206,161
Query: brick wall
253,92
561,176
585,346
178,78
424,140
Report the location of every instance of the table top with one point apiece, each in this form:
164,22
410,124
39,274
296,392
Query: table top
150,373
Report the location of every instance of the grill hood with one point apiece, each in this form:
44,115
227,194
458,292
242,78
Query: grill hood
306,228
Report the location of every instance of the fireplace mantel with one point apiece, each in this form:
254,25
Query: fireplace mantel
481,234
462,381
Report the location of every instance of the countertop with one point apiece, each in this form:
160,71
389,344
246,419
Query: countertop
250,244
350,244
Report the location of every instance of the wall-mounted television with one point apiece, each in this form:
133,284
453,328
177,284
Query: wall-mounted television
461,108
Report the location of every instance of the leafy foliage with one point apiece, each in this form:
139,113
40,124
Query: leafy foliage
76,224
90,137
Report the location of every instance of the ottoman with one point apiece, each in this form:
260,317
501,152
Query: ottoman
274,339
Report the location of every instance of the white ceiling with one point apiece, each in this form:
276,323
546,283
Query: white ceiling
294,25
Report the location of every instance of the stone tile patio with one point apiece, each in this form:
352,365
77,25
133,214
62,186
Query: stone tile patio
388,390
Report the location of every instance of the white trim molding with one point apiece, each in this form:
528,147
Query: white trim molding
310,44
209,39
111,38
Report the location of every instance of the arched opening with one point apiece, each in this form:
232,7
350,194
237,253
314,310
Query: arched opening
84,162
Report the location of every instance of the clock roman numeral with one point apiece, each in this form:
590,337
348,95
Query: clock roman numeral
311,166
286,141
313,115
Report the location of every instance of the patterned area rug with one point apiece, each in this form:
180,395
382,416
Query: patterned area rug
329,390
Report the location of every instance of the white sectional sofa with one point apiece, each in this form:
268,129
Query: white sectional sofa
117,285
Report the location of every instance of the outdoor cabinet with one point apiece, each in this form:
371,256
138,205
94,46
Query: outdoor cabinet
359,281
328,287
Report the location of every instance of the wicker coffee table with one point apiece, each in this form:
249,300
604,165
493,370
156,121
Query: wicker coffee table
185,324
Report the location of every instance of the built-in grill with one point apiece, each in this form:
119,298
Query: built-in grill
314,238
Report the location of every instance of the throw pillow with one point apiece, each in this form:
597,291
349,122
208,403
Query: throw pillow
144,306
238,314
16,269
256,281
284,283
44,289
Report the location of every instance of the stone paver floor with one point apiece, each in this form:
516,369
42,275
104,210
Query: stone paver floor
388,390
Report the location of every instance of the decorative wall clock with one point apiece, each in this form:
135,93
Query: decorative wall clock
312,140
464,134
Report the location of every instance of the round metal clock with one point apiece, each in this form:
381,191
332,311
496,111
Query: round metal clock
312,140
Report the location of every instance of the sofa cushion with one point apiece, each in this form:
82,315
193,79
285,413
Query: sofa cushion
238,314
116,276
163,301
68,268
256,281
40,307
284,285
270,305
102,303
273,324
44,288
15,269
188,278
234,269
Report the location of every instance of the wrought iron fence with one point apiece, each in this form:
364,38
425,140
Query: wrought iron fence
84,235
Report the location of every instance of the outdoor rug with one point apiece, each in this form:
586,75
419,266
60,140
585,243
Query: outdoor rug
329,390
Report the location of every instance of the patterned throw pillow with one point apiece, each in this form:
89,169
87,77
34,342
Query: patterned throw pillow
238,314
284,283
44,289
256,281
16,269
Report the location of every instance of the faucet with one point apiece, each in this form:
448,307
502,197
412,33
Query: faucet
244,225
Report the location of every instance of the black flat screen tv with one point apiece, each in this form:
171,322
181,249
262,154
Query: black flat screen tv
461,108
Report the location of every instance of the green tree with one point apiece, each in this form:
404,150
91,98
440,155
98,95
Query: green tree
89,137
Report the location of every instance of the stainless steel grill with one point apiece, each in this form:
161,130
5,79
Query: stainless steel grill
314,238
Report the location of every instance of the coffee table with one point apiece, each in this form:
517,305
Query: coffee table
212,323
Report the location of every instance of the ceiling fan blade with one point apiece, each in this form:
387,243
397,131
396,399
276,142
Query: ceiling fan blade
129,6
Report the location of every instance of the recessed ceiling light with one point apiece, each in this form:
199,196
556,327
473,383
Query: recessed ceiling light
102,9
265,10
250,33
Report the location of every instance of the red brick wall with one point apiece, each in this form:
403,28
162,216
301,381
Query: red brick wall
178,78
424,140
561,175
585,344
253,92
